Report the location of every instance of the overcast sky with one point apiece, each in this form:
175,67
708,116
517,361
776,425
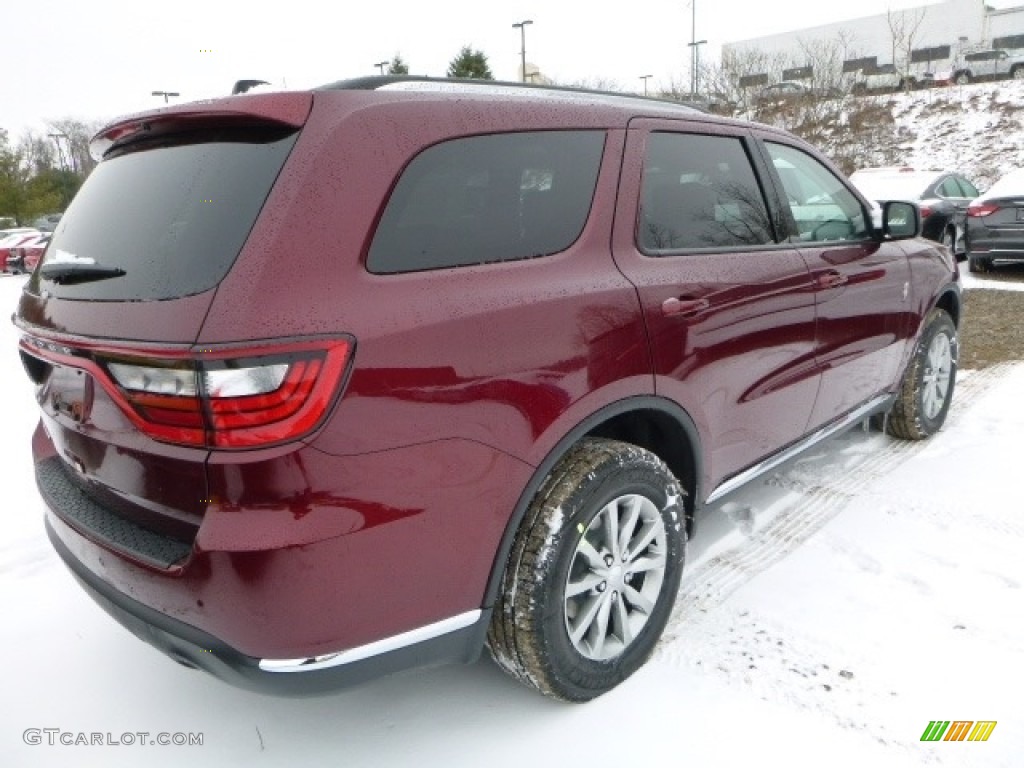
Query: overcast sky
99,60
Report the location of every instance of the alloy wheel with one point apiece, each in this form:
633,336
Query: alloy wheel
938,368
615,577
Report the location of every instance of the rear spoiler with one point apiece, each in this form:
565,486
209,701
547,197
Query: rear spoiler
285,109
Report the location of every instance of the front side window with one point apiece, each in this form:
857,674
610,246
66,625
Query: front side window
700,192
485,199
823,208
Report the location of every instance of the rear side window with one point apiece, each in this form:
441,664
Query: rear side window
173,214
968,189
700,192
488,198
950,188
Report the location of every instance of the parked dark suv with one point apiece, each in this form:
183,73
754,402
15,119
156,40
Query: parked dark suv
338,382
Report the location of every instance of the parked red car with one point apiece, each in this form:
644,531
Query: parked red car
524,335
24,256
10,240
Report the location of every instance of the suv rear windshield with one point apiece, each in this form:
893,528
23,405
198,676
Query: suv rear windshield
172,214
488,198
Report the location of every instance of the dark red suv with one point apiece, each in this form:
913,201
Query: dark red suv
339,382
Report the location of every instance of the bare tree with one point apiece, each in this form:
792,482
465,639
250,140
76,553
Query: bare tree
903,28
593,84
76,136
37,153
739,65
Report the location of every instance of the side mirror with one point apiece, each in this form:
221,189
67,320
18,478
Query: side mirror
900,220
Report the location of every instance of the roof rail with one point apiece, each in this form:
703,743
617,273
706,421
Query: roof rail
410,82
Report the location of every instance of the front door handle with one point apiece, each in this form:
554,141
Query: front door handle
683,306
830,279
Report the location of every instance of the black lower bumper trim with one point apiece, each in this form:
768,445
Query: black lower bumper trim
193,647
69,501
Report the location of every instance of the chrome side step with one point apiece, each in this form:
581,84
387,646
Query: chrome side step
827,431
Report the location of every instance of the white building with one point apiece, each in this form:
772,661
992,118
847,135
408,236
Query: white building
916,34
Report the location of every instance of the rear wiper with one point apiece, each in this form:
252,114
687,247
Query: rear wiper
69,273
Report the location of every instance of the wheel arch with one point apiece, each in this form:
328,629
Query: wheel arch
950,300
653,423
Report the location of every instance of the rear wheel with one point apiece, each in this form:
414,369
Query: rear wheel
1017,73
978,264
962,78
593,572
949,239
927,388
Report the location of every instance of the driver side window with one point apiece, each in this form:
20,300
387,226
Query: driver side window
822,206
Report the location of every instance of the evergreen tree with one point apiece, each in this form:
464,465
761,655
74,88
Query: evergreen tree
471,64
398,66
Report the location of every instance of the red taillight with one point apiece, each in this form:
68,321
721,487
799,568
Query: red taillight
925,211
221,397
981,209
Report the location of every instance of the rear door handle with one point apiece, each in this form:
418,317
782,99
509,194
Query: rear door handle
830,279
683,306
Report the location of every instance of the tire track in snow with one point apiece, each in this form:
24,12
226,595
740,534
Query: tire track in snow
792,504
816,492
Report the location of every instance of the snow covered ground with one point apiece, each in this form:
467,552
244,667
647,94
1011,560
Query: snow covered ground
939,128
827,615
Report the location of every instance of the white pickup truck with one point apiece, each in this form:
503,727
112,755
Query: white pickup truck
988,65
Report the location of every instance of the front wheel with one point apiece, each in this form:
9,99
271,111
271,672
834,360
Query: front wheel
1017,73
927,388
593,572
963,78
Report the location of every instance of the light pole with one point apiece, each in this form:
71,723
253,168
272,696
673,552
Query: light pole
694,43
521,26
645,78
380,65
166,94
695,58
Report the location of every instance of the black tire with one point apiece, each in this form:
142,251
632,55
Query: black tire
529,636
949,239
927,387
977,264
962,78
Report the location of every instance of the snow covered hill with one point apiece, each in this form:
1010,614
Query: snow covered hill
977,129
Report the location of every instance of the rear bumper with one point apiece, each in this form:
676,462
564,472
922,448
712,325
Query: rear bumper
999,255
459,639
325,586
995,244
